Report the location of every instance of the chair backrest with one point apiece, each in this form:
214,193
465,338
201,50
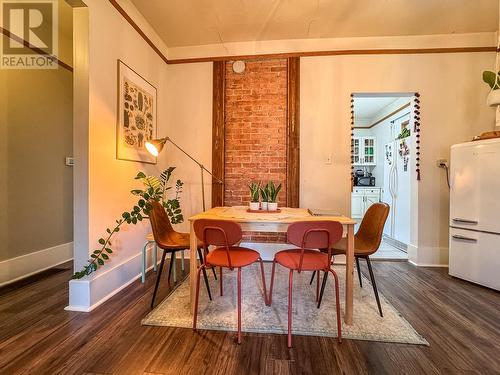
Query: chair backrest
321,234
371,228
160,223
220,233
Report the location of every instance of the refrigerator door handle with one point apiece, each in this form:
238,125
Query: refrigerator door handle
465,221
463,238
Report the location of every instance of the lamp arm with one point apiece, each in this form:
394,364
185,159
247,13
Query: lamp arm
193,159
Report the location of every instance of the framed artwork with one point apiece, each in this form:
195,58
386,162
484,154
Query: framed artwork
137,103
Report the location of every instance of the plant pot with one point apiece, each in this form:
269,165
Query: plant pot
493,98
272,206
254,206
263,206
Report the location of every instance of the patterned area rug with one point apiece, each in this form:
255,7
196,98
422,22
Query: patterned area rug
220,314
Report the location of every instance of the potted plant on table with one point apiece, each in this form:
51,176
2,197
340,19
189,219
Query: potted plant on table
254,196
264,194
273,196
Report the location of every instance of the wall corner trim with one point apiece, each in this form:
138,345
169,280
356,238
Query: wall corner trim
88,293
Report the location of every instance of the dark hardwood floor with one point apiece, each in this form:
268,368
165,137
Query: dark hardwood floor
460,320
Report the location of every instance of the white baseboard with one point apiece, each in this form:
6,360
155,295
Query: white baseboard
18,268
428,256
89,292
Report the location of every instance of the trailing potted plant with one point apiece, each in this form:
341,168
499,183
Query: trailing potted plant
493,80
264,194
273,196
254,196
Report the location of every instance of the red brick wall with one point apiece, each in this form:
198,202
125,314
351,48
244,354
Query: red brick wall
255,129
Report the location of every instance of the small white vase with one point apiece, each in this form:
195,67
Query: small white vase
493,98
272,206
254,206
263,206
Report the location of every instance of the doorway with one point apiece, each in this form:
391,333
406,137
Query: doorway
384,146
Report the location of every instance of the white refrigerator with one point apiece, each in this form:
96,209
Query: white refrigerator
475,212
396,188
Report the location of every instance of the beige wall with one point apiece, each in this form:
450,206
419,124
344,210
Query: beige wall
188,106
453,110
36,190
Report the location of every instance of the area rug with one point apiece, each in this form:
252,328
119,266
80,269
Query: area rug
220,313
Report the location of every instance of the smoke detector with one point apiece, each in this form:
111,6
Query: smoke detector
239,66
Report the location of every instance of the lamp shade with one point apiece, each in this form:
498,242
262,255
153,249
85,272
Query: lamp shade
155,146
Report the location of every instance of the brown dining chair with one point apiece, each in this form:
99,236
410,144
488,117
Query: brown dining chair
366,242
170,241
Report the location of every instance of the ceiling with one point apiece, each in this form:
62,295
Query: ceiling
198,22
366,108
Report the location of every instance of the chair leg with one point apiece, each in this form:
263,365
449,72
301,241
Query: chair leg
197,296
158,277
374,285
325,276
182,261
359,272
317,288
290,304
205,277
263,280
171,265
312,278
337,303
239,306
173,259
270,296
215,273
155,257
220,281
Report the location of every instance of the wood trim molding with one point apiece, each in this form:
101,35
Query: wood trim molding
293,133
138,29
384,118
13,36
381,51
218,132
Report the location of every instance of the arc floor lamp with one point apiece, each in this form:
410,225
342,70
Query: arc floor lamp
156,146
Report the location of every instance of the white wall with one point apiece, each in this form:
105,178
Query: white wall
104,183
453,110
188,107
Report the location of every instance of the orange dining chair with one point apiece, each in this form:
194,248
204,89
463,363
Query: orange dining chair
366,242
224,235
309,236
169,241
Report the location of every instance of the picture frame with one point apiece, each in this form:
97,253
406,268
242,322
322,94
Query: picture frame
136,117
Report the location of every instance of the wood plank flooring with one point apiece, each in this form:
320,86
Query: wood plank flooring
460,320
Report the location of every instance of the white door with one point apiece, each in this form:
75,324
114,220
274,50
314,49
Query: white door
357,205
387,182
475,185
402,186
474,257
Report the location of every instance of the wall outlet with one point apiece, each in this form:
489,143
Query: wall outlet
442,163
69,161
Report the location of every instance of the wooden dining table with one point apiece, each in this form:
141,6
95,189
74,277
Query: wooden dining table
274,222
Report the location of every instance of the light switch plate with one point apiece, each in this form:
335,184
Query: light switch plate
69,161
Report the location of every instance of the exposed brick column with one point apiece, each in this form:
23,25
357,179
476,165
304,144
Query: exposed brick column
255,131
255,139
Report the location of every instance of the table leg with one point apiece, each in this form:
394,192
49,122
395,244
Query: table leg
193,264
349,275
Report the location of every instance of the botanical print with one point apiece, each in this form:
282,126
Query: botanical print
136,116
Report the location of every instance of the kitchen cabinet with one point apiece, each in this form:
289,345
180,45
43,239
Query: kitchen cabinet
364,149
362,199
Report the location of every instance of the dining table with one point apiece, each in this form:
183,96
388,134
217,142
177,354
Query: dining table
276,222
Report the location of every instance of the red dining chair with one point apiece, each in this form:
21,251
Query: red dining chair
309,236
224,235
